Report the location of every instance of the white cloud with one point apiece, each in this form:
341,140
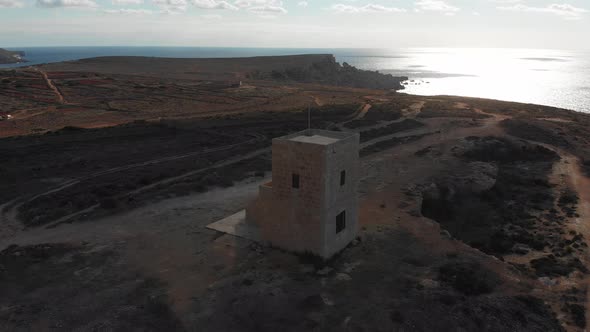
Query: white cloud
11,4
127,11
263,8
566,11
369,8
258,3
268,9
303,4
255,6
171,6
66,3
435,5
126,2
213,4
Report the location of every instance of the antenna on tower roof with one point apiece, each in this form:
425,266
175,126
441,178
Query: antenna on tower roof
309,119
309,116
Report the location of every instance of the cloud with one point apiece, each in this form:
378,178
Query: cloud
213,4
566,11
66,3
436,6
263,8
369,8
11,4
126,2
303,4
127,11
258,3
171,6
268,9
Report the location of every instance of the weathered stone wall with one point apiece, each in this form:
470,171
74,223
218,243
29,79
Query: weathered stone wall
341,156
291,219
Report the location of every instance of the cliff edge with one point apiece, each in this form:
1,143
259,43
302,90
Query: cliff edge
325,70
11,56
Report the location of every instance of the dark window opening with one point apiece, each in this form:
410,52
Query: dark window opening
340,222
295,180
342,178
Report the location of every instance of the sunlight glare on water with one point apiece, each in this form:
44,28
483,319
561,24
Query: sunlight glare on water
548,77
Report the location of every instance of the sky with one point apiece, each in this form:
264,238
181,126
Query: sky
542,24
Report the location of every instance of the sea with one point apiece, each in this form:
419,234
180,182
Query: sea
559,78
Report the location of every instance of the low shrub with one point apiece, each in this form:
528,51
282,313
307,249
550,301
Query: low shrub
469,278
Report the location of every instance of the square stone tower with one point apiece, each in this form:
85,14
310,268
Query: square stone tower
311,205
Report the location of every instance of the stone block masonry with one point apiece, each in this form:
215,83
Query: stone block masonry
311,205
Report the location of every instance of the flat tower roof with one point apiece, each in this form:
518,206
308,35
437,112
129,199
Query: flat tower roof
317,136
315,139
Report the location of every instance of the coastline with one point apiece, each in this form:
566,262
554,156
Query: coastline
71,89
11,57
560,84
529,104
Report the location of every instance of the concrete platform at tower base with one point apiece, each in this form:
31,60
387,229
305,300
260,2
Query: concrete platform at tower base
236,225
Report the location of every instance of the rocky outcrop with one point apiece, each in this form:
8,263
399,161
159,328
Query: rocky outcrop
474,178
325,70
11,56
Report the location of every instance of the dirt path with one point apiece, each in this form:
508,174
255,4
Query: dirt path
358,114
555,120
318,101
568,173
405,133
496,117
582,185
60,97
363,111
413,110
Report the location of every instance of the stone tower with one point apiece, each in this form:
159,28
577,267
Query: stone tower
311,205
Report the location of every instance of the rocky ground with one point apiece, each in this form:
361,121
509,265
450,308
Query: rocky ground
474,216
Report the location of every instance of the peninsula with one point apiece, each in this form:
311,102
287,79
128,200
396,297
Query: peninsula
7,57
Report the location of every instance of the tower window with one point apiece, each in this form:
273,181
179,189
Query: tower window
342,177
295,180
340,222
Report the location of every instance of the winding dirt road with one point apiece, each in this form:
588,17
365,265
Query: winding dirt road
567,173
49,82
